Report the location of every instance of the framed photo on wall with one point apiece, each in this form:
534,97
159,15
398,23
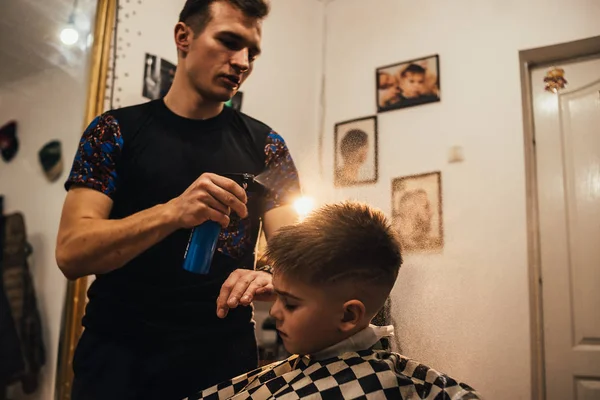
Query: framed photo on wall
355,158
158,76
417,212
236,101
407,84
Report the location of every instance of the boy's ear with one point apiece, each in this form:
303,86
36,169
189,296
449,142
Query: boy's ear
354,314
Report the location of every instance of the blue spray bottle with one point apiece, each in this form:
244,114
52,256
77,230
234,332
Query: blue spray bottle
203,239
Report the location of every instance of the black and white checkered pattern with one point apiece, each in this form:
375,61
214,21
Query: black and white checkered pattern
367,375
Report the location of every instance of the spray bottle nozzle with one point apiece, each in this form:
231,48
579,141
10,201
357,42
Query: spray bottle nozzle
246,181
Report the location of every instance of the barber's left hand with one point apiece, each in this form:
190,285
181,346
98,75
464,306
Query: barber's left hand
241,288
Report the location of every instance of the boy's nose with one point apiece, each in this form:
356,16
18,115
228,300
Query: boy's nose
274,311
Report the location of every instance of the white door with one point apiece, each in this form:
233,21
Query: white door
567,134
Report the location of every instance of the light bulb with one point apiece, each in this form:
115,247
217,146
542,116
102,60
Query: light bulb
303,206
69,36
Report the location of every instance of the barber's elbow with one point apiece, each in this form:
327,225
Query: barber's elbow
66,262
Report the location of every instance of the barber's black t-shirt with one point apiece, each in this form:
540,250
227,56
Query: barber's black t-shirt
146,155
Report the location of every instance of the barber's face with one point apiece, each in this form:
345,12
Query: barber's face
220,58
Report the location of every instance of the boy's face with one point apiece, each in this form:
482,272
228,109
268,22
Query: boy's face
308,318
221,57
412,84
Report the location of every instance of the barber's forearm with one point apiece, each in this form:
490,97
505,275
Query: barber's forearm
97,246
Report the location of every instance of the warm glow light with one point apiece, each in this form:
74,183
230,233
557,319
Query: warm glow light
69,36
303,206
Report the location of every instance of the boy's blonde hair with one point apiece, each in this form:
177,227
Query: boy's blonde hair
340,243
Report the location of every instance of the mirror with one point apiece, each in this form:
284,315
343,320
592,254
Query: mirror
417,110
50,66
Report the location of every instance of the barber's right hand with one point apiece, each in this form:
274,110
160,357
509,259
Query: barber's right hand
210,197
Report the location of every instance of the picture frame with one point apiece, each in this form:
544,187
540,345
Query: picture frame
236,101
417,212
158,76
356,152
408,83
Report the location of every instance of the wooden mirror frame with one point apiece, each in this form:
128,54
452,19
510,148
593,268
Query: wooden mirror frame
75,300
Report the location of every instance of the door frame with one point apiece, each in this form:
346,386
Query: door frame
529,59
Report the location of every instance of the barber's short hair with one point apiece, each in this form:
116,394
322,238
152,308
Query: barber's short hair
353,140
341,242
197,13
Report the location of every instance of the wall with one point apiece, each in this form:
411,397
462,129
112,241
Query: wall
47,106
465,311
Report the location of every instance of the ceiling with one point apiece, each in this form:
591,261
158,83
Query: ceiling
29,36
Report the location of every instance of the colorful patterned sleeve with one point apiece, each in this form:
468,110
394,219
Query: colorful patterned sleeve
280,176
95,161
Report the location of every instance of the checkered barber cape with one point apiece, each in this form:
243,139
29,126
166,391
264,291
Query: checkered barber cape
367,374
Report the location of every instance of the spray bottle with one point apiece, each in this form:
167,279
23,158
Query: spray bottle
203,239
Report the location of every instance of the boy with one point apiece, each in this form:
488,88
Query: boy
332,273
